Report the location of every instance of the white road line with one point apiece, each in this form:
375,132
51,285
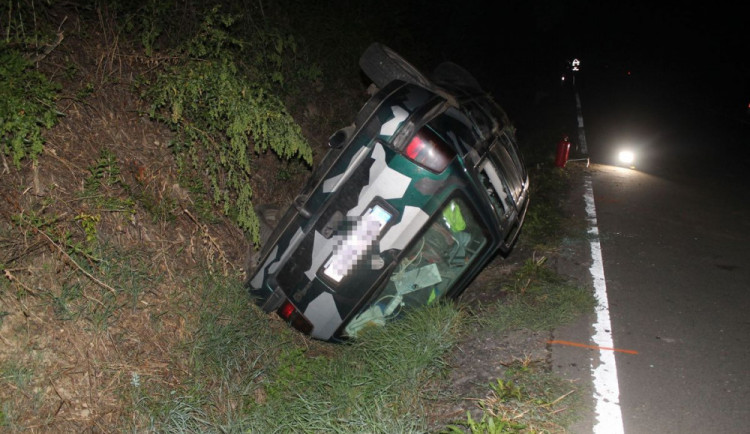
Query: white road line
606,387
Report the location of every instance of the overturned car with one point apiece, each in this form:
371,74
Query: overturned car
406,208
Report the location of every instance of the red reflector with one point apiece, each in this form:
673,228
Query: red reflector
286,310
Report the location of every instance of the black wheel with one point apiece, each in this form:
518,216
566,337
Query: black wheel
450,73
384,65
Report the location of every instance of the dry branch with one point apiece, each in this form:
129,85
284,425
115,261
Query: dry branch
86,273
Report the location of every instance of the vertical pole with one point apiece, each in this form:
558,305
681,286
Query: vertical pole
581,131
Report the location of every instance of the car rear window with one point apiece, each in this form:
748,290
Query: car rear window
430,151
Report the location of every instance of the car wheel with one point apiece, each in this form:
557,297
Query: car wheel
449,72
384,65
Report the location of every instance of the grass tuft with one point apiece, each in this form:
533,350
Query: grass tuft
538,299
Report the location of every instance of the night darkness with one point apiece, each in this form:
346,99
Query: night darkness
689,49
669,75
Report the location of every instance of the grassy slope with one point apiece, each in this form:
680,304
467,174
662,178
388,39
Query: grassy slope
120,307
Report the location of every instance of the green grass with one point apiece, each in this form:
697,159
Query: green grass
544,226
537,298
248,377
22,377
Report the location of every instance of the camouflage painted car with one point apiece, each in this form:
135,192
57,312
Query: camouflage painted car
406,208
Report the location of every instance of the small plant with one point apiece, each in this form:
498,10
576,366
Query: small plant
488,424
526,399
88,223
105,175
104,172
506,390
27,106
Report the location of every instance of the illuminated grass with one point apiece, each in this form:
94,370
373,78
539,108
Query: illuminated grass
537,299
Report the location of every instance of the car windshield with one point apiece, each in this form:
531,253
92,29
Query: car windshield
429,268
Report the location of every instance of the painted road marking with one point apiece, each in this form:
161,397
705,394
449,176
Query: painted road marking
606,388
591,347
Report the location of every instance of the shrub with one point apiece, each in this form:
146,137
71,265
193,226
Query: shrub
26,107
224,112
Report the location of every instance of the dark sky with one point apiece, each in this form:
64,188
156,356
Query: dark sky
698,50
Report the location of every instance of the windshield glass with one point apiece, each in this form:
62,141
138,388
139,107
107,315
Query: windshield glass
429,268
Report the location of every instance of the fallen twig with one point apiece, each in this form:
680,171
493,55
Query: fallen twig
89,275
48,48
13,278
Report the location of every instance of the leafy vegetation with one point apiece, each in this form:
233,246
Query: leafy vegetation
225,111
27,106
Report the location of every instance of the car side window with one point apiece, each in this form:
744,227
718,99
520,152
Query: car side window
512,148
455,128
497,115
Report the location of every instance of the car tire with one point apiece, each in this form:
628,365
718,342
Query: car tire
383,65
450,73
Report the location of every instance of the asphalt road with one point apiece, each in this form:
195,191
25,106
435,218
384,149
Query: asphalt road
675,243
678,282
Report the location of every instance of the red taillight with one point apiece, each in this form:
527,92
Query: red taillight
286,310
429,150
414,148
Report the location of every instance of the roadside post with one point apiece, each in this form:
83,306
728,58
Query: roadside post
575,67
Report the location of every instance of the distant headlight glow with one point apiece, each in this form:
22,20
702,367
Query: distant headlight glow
626,157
